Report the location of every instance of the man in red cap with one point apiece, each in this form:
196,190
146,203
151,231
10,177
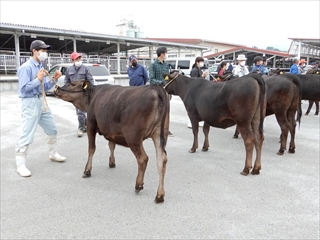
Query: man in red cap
76,72
302,64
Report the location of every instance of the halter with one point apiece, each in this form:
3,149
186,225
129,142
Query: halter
57,86
168,83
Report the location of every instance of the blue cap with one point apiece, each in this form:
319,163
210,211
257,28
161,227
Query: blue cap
132,57
313,63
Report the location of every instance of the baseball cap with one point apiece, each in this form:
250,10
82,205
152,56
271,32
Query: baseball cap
74,55
132,57
313,63
302,60
38,44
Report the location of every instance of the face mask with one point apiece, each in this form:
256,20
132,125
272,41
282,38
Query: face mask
42,56
261,62
242,63
201,64
134,64
78,64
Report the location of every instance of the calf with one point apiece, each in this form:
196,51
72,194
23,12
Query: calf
124,116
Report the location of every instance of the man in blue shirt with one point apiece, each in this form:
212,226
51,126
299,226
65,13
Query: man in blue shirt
258,67
76,72
33,82
136,72
294,69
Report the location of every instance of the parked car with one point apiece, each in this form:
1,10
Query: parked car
184,64
100,74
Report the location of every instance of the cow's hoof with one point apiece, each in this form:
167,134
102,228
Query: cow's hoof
306,114
292,150
86,174
235,136
159,199
255,172
316,114
281,151
244,173
112,165
139,188
192,150
204,149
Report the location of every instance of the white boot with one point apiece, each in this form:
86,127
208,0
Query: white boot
21,158
53,154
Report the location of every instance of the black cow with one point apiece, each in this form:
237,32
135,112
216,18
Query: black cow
223,105
124,116
283,100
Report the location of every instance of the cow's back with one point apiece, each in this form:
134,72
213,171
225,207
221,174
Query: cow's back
116,109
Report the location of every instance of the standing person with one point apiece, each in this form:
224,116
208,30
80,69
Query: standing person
302,64
258,66
136,72
196,68
223,68
198,73
294,69
264,64
78,71
240,69
157,68
32,78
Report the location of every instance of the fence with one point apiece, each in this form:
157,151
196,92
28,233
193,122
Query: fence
8,63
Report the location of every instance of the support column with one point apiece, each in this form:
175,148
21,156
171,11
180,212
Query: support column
299,49
118,58
17,48
74,45
151,53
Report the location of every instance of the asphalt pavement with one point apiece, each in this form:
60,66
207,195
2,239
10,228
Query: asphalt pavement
206,196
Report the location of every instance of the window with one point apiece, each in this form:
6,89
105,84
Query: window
172,56
172,64
183,64
216,50
190,55
97,70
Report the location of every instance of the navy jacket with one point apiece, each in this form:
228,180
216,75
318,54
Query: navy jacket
138,75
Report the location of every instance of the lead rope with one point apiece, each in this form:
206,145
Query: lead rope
44,99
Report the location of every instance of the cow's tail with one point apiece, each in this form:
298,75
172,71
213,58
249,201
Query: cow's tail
165,109
262,100
296,81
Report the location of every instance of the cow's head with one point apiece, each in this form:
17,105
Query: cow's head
173,75
76,92
277,71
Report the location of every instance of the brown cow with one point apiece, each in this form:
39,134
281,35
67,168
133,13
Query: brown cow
223,105
124,116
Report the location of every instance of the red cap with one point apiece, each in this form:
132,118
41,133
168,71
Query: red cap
74,55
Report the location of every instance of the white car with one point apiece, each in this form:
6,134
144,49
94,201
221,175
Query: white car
100,74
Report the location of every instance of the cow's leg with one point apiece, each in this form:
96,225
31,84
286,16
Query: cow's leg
248,139
161,165
259,137
142,159
91,133
284,126
236,132
206,129
195,131
112,159
291,118
309,107
317,107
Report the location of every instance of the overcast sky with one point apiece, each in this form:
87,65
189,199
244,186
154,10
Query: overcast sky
250,23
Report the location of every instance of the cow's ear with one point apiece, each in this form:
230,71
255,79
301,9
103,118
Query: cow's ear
85,85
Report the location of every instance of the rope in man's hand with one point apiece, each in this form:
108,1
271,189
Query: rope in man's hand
41,75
